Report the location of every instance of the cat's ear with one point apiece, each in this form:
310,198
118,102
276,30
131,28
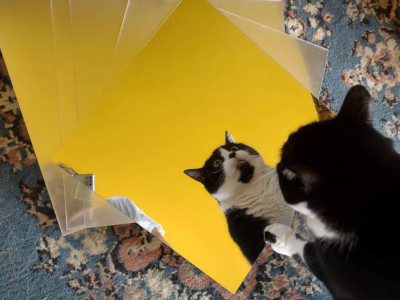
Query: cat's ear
357,105
196,174
229,138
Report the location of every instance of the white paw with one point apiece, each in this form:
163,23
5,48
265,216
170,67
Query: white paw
282,239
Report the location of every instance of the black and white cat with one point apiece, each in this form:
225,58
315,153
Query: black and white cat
247,191
345,177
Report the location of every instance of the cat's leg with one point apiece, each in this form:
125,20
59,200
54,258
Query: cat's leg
283,240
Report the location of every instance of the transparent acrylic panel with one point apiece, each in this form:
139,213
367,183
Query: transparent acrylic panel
86,209
176,99
174,102
78,65
95,27
32,69
64,65
141,21
304,61
33,76
142,18
269,13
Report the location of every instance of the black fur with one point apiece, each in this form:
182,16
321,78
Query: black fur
269,237
240,146
349,175
246,172
246,231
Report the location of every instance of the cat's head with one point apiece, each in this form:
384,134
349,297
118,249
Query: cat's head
331,169
228,168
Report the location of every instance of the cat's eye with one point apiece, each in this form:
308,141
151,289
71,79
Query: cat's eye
217,163
234,148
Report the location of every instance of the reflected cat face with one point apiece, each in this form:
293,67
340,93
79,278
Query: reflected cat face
228,168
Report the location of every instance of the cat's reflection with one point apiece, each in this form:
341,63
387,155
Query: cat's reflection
247,191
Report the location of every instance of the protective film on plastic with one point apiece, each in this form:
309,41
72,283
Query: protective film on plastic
84,72
33,72
83,211
141,21
33,77
269,13
67,96
304,61
64,64
87,208
95,27
193,49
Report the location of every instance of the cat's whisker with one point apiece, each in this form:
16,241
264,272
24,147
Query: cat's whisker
262,170
265,175
221,178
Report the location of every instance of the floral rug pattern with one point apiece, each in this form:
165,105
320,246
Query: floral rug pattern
125,261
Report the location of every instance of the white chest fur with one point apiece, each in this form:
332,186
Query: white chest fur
261,197
313,222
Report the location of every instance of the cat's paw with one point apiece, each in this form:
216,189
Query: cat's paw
282,239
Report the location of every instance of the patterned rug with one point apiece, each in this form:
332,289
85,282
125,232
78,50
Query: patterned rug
36,262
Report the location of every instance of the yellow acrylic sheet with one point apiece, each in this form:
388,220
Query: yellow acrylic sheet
141,20
84,73
197,77
88,58
305,62
44,116
26,41
91,50
81,73
95,26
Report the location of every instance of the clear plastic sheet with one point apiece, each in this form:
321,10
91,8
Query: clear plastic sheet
76,50
304,61
95,27
88,59
130,27
65,67
33,72
141,21
80,84
268,13
202,51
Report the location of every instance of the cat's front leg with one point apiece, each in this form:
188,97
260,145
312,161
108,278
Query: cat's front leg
283,240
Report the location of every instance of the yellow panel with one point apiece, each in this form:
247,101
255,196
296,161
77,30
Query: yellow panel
95,27
32,68
141,21
64,65
196,78
303,60
27,47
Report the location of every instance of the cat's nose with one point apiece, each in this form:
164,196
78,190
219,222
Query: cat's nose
232,155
